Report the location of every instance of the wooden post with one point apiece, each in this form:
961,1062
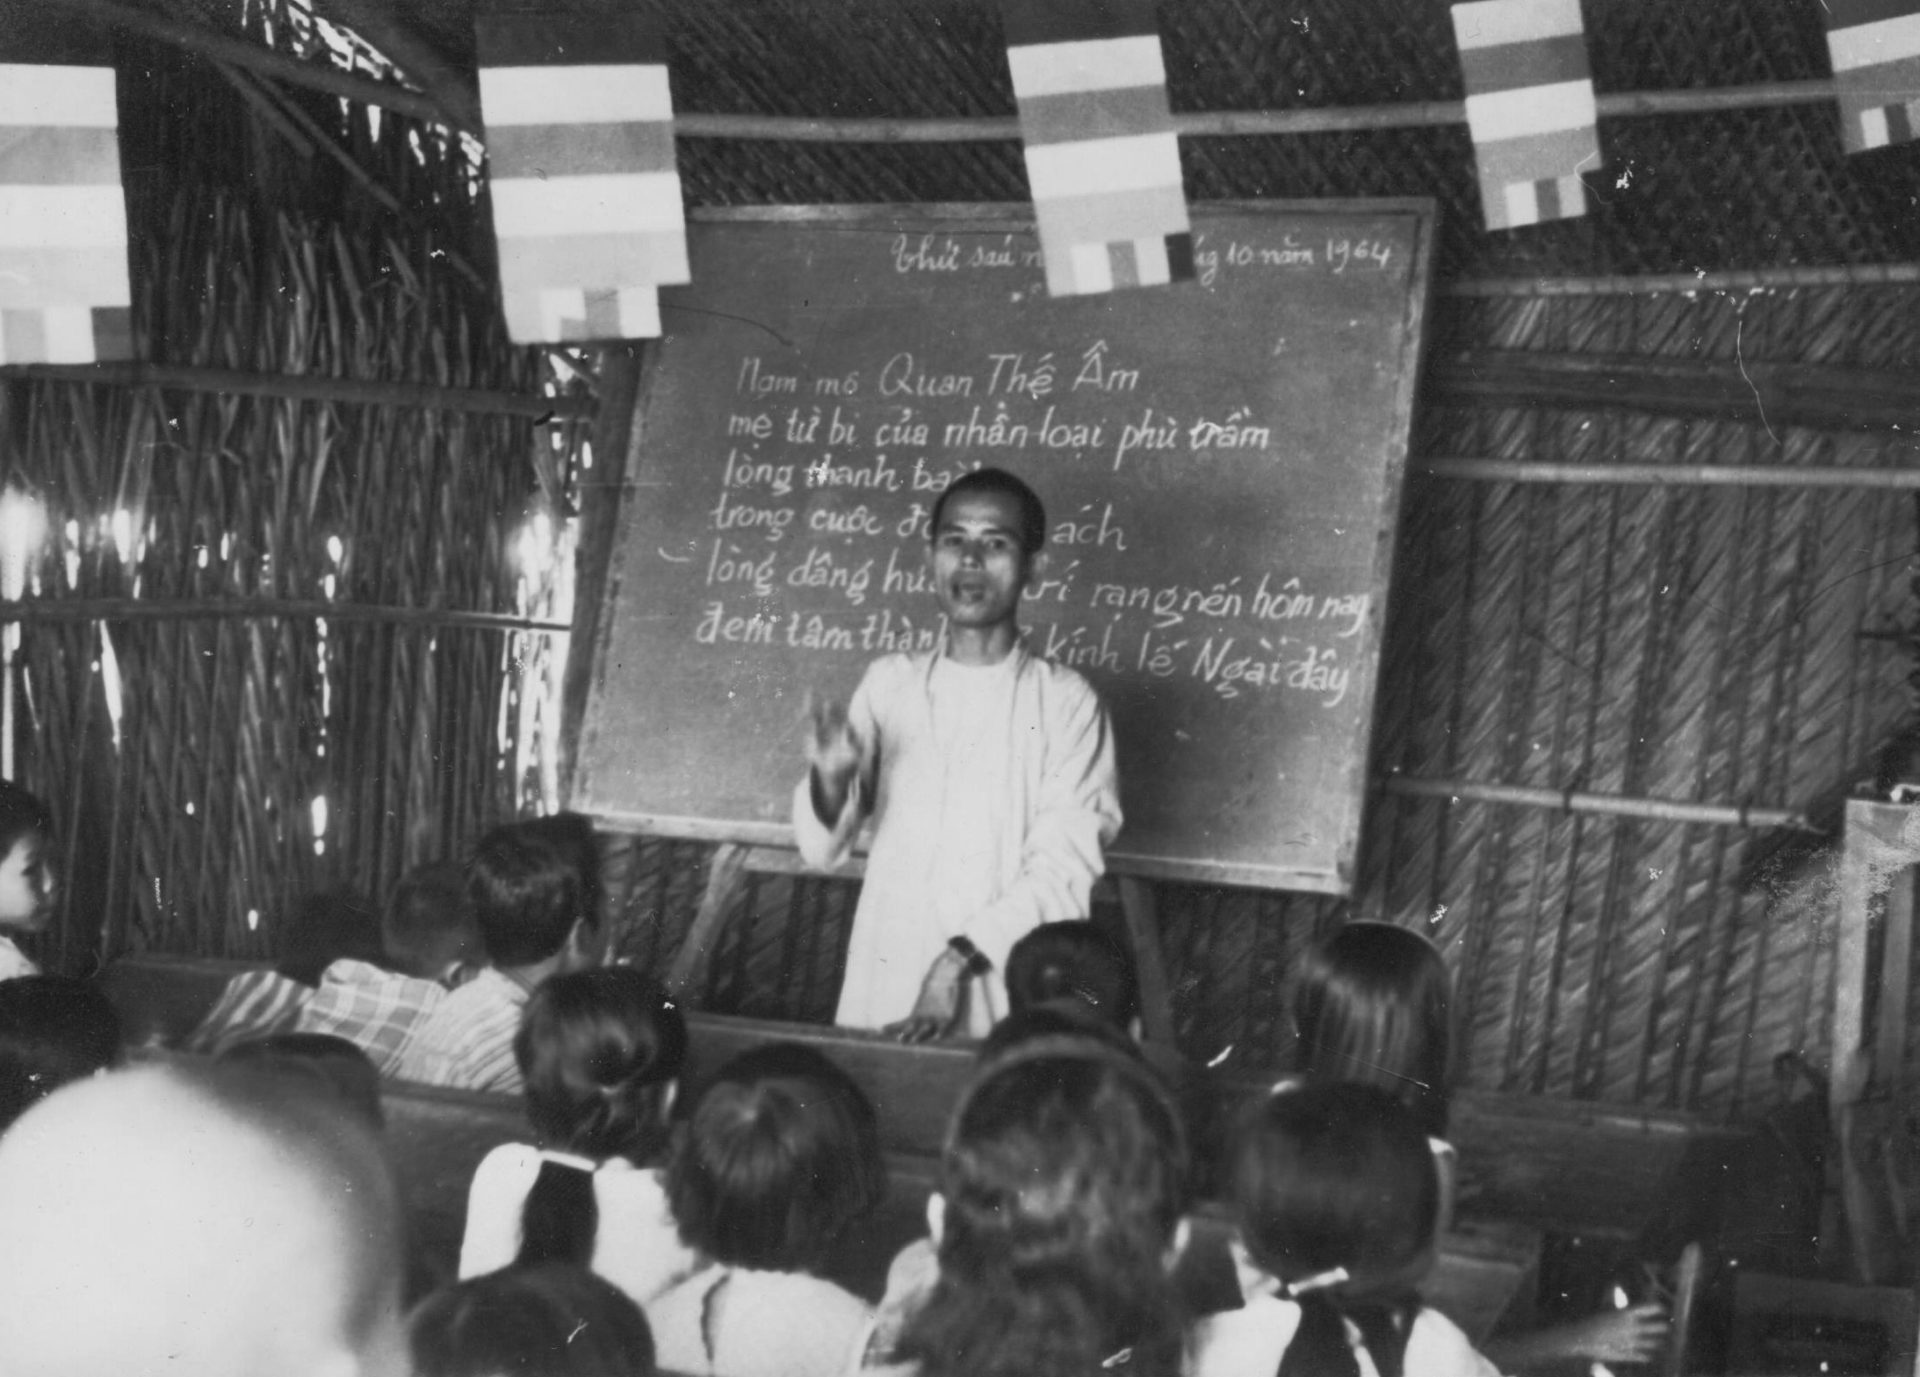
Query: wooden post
1149,971
724,872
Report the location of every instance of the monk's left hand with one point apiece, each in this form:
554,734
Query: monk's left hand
936,1013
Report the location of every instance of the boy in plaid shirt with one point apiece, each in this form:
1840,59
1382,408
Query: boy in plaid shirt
432,944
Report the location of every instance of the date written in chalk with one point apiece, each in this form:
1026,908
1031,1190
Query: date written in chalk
1335,254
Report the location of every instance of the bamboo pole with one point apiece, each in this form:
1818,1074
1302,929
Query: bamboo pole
353,391
1242,123
1656,284
31,610
1612,805
1675,475
459,113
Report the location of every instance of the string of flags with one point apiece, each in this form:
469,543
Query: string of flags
589,216
65,296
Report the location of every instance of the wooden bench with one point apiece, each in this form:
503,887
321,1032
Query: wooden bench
1526,1164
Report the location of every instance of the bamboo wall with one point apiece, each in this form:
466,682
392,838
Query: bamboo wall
185,738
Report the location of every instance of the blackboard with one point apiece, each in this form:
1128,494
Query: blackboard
1221,461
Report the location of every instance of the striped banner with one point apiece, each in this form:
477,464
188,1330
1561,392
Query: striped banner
1530,107
64,292
586,198
1102,159
1875,47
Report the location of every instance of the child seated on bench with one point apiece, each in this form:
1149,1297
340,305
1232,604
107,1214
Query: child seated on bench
530,901
1335,1195
1371,1004
601,1052
324,928
26,873
782,1153
1062,1191
430,944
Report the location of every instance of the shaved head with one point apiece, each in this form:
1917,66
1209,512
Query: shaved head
220,1223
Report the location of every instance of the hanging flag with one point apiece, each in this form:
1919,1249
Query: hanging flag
1102,158
1875,47
64,292
586,198
1529,107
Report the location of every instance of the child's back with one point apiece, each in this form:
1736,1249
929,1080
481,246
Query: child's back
601,1052
1334,1192
780,1155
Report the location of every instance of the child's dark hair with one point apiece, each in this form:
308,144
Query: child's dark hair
600,1051
1052,1019
572,835
547,1321
429,921
53,1030
21,814
1073,961
781,1153
527,894
1033,515
322,1061
1372,1004
1335,1191
1064,1176
335,925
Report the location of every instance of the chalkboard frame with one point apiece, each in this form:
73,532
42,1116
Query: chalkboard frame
601,587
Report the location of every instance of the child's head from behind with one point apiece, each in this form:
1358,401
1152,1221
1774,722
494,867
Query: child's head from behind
781,1153
240,1224
1063,1182
1072,962
1335,1175
26,868
572,835
53,1030
549,1320
529,900
428,929
333,925
601,1051
1372,1004
321,1063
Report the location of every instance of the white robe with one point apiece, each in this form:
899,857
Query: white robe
991,791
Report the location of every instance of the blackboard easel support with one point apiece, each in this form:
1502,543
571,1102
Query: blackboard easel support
732,860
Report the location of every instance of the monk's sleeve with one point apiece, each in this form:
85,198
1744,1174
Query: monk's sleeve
1077,814
824,843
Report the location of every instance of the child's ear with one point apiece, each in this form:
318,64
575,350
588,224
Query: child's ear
936,1217
1037,566
668,1094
